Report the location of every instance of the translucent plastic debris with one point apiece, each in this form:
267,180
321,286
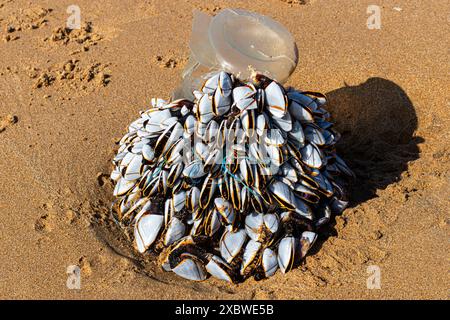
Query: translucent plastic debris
241,43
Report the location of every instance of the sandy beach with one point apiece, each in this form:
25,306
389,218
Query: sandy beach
66,99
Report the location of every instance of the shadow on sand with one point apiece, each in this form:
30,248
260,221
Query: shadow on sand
377,121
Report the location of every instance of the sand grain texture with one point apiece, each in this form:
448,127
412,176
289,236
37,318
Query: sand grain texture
67,97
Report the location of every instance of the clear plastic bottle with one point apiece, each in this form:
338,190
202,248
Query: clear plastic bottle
239,42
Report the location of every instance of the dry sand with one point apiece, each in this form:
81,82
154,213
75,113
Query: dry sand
65,99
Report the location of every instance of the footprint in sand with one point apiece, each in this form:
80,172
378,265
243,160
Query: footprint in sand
102,179
45,222
170,63
85,266
296,2
7,121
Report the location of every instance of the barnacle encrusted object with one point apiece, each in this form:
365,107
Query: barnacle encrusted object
234,184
